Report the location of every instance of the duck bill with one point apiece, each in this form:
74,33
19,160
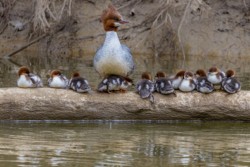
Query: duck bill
123,22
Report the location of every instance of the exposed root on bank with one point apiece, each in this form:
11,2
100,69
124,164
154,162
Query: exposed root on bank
48,13
5,8
163,32
179,36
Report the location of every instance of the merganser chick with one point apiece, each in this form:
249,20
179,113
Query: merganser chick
176,81
202,83
230,84
215,76
78,83
27,79
188,83
57,80
113,58
145,87
114,83
162,84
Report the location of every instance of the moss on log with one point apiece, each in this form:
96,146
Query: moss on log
59,104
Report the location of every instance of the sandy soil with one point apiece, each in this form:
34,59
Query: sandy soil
197,27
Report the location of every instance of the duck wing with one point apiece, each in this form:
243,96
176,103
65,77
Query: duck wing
129,58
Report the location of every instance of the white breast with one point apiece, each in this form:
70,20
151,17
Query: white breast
176,83
213,79
57,82
24,82
185,86
110,58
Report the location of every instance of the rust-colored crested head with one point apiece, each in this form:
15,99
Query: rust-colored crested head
23,70
180,74
146,75
75,74
55,73
160,74
129,80
201,73
213,69
111,19
230,73
188,75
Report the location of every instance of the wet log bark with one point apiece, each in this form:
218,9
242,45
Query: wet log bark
59,104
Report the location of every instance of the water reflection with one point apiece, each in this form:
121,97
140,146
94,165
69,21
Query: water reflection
43,63
130,144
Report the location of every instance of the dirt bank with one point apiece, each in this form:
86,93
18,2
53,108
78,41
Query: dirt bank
58,104
197,27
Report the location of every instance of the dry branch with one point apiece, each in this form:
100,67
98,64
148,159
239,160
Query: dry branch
245,4
48,13
179,30
24,47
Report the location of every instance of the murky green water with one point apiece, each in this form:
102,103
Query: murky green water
147,144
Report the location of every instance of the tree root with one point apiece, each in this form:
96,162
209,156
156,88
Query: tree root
179,30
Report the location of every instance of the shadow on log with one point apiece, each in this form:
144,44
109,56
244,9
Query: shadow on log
59,104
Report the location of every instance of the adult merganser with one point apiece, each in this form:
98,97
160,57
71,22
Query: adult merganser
57,80
78,83
188,83
215,76
202,83
176,81
113,57
162,84
145,87
27,79
114,83
230,84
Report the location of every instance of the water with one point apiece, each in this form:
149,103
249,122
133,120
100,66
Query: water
42,64
125,144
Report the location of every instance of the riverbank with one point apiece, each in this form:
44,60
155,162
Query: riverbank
59,104
199,27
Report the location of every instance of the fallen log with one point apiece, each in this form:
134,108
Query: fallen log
59,104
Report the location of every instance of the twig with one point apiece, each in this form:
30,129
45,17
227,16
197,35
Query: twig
90,37
98,35
62,9
11,62
24,47
158,16
245,4
69,10
179,30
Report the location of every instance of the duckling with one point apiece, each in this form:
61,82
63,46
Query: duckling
176,81
202,83
162,84
188,83
78,83
230,84
114,83
57,80
145,87
27,79
215,75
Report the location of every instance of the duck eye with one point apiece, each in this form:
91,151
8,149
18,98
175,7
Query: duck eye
116,19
